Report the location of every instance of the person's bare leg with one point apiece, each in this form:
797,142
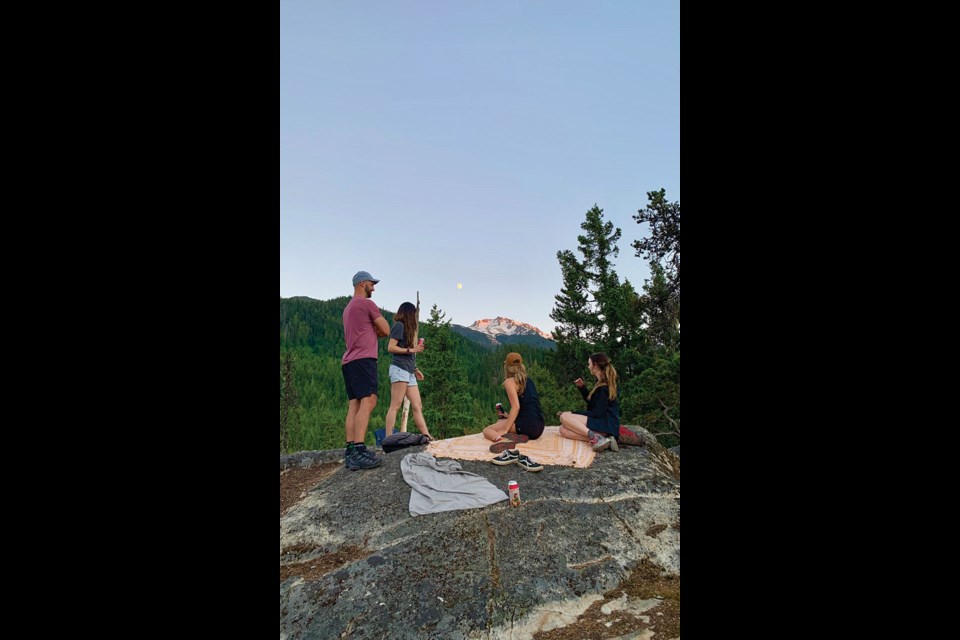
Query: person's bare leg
496,430
353,407
363,417
574,426
416,408
397,389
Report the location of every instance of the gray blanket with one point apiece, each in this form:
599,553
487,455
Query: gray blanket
442,485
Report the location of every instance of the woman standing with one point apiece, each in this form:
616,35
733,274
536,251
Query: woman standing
404,373
600,423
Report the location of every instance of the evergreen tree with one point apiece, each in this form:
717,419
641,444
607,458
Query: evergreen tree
656,404
447,407
595,310
661,311
289,402
573,309
663,245
555,395
574,313
599,246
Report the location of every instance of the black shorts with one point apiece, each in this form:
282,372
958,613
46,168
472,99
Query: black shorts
532,428
360,378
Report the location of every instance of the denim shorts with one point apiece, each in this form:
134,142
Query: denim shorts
402,375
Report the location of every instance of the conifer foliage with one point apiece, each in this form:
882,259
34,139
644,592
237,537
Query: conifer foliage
447,406
289,402
639,332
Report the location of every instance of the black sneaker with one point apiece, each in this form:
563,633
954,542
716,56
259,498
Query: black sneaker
528,464
510,456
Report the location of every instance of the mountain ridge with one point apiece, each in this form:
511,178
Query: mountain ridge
494,332
502,325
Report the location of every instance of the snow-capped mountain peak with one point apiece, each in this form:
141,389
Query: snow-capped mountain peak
500,326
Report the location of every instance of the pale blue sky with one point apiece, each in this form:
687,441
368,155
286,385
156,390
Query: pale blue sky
436,142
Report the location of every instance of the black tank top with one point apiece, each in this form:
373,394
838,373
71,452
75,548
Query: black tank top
530,410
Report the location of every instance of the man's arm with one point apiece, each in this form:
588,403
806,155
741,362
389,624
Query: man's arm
383,329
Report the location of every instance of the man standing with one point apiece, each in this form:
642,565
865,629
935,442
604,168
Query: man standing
362,326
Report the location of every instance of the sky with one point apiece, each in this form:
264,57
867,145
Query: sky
436,143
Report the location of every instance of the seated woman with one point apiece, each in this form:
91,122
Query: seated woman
600,423
525,420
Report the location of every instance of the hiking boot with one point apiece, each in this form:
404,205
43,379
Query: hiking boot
502,445
367,453
528,464
509,456
361,460
599,443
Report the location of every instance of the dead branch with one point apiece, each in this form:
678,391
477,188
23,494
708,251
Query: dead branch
673,423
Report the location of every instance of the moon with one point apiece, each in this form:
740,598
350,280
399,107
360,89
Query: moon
459,285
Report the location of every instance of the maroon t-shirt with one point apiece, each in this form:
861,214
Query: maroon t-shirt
359,329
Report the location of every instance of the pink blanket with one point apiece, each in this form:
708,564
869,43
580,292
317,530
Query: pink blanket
548,449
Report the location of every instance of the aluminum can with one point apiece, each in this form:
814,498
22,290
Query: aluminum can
514,490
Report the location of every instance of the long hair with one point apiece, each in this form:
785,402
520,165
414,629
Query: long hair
407,314
608,375
519,374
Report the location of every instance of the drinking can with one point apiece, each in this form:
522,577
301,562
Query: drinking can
514,490
420,342
499,407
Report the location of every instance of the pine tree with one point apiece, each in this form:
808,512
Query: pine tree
595,310
447,407
555,395
573,310
663,245
599,246
657,399
577,321
661,311
289,402
656,404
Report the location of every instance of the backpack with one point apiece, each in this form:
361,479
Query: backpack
402,441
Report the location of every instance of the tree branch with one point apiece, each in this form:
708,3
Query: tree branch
673,423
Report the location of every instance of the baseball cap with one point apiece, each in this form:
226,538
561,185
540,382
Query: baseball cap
360,276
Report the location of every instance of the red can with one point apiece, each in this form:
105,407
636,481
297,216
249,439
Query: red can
420,342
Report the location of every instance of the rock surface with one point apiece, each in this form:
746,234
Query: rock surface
360,566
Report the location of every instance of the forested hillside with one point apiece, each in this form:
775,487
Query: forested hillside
468,381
